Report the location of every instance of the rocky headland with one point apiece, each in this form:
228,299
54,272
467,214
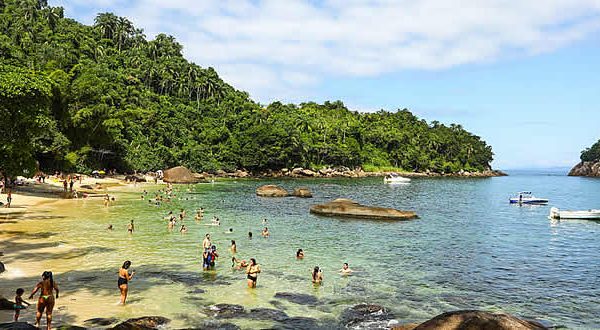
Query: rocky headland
590,168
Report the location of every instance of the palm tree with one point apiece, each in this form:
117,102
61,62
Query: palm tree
107,24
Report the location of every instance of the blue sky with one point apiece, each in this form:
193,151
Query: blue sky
523,75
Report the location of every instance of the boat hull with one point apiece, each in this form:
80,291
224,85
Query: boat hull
529,201
581,215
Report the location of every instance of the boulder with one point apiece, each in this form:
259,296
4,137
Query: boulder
268,314
365,313
2,268
302,192
143,323
348,208
225,311
271,190
101,321
6,304
586,169
473,320
179,174
297,298
297,171
307,172
17,326
241,174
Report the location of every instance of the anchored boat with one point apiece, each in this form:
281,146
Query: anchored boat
525,197
556,213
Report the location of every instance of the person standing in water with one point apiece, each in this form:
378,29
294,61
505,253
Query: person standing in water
252,272
300,254
46,300
124,278
317,275
265,232
345,269
19,303
130,227
233,247
206,243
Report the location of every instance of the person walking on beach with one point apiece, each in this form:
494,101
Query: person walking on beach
65,185
19,303
8,198
46,300
124,278
71,183
252,272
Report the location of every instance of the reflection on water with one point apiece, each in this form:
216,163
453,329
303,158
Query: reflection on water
470,249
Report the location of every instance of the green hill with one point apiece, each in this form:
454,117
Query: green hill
77,97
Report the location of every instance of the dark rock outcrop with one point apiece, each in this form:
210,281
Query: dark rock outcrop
225,311
586,169
180,174
267,314
366,316
142,323
297,298
302,192
472,320
17,326
271,190
348,208
101,321
6,304
2,268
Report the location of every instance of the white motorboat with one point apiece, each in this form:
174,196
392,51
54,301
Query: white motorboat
556,213
395,178
525,197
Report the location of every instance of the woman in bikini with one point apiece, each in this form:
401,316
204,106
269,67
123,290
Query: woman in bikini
46,300
124,278
252,273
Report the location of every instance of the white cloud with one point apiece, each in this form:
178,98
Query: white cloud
293,44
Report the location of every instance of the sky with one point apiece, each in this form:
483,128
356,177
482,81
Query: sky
523,75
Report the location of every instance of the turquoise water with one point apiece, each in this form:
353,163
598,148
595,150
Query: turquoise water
469,249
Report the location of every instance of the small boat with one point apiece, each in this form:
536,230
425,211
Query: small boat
525,197
555,213
395,178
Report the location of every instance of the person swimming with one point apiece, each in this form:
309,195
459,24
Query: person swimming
300,254
265,232
238,264
110,227
345,269
230,231
317,275
252,272
46,300
250,235
183,229
171,224
123,281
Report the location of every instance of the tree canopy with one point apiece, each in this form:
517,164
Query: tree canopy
77,97
591,154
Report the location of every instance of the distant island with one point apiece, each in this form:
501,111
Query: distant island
590,162
76,98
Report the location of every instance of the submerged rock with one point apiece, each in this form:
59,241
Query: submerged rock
348,208
369,316
478,320
6,304
302,192
17,326
101,321
214,325
226,311
297,298
142,323
267,314
271,190
304,323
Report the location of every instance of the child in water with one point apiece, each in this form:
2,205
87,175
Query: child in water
18,306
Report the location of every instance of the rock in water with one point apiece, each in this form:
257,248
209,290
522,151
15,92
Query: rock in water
2,268
365,314
179,174
472,320
100,321
267,314
302,192
225,311
271,190
348,208
142,323
298,298
586,169
17,326
6,304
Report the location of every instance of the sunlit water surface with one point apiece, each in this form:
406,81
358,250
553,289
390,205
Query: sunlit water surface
469,249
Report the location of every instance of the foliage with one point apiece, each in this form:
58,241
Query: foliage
104,96
591,154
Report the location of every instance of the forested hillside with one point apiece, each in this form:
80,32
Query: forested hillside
591,154
77,97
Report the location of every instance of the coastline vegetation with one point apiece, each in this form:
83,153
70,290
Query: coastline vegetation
591,154
75,98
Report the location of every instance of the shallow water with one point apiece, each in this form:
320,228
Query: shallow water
470,249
